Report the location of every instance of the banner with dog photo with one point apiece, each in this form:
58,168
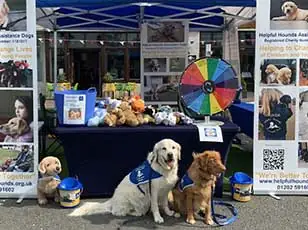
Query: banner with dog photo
164,56
281,86
19,99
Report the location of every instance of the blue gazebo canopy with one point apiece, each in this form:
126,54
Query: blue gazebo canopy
127,14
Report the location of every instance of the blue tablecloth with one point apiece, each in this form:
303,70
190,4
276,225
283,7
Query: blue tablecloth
102,156
242,115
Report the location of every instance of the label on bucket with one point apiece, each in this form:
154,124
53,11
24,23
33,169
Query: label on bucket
74,109
69,198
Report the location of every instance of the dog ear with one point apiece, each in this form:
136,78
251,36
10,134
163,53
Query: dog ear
178,147
22,127
152,156
282,7
42,168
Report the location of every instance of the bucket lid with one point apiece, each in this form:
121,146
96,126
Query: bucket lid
241,178
69,184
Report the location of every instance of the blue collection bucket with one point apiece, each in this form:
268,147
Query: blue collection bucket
70,190
241,186
89,96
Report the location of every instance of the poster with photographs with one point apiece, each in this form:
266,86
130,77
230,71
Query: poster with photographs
281,97
164,56
19,103
161,88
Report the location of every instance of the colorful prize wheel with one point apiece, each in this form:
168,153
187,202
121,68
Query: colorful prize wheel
208,86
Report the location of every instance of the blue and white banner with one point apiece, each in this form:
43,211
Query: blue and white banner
19,99
281,98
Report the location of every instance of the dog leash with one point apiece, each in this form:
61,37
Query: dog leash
219,219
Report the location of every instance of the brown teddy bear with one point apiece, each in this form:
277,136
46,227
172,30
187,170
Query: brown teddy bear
115,115
130,117
49,168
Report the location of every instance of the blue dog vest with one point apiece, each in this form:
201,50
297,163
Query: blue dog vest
185,182
143,174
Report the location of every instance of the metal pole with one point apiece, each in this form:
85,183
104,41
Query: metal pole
55,54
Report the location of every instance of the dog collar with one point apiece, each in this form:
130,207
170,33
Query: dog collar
185,182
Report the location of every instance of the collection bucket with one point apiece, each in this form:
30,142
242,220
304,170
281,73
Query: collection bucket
241,187
70,190
80,102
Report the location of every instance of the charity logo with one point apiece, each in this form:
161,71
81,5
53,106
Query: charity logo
210,132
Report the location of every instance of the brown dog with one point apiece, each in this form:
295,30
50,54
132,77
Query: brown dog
284,76
17,130
49,168
189,198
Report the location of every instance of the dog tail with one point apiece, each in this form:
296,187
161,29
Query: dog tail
91,208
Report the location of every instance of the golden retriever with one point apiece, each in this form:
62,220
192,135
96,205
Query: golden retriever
272,73
189,198
292,13
49,168
284,76
17,130
140,190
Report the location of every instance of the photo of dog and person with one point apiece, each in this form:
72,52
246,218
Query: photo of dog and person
155,65
278,72
302,155
17,158
161,88
177,65
303,115
303,72
289,15
16,117
165,32
13,15
277,114
16,74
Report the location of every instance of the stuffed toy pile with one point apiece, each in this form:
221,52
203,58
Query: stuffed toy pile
133,112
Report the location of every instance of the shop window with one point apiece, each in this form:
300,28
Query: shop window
115,63
134,64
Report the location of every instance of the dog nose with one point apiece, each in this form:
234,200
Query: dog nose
288,10
57,168
170,156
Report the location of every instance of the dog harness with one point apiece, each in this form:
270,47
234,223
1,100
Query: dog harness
185,182
143,174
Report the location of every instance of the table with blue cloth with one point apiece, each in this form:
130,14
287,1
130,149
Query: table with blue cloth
242,114
101,156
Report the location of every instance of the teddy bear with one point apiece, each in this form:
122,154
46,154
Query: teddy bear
138,108
114,115
130,117
165,116
49,169
149,114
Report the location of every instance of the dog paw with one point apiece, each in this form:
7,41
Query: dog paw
177,215
209,221
169,212
42,201
158,219
57,199
191,220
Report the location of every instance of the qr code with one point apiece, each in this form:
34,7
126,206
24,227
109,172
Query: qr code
273,159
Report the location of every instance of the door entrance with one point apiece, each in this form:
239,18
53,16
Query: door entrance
86,68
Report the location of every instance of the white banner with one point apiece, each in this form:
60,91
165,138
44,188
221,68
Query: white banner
281,104
164,56
18,99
